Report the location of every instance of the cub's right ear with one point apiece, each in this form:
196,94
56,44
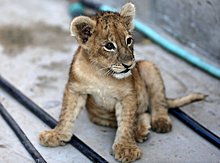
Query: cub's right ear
82,27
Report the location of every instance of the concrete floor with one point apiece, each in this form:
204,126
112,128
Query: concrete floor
35,54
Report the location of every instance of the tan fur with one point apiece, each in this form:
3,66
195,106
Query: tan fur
174,103
115,90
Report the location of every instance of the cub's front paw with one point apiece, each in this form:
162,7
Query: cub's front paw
52,139
161,124
126,153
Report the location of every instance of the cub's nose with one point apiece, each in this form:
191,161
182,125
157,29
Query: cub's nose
127,66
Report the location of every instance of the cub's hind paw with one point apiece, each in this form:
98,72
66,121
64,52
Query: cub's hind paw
162,124
52,139
143,126
142,133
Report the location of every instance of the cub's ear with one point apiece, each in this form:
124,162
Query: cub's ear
82,27
128,12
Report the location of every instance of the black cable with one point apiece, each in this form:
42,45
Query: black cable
51,122
198,128
22,137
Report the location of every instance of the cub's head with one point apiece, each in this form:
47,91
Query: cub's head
107,40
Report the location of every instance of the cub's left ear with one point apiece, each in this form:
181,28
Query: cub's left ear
128,12
82,27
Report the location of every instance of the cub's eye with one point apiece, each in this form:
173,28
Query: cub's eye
109,46
129,41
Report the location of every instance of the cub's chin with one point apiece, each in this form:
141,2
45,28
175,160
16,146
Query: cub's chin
122,75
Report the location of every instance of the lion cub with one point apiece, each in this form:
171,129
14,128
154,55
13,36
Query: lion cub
115,89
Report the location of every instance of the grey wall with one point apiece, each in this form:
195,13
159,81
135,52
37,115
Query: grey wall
195,23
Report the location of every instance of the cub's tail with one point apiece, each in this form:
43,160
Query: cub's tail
174,103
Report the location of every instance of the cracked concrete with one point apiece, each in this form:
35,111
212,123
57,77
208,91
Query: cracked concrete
39,65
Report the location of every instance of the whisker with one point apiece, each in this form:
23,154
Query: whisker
112,73
108,72
104,68
93,62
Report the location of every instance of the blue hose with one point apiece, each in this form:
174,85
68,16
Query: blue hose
176,49
76,9
161,41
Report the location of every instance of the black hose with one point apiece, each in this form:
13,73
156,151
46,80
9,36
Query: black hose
198,128
51,122
22,137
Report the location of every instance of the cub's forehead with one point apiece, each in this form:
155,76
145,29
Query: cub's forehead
110,19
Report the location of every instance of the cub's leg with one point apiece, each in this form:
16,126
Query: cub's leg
160,119
73,103
124,147
144,119
143,126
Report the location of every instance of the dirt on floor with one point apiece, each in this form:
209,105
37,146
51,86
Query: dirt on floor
16,38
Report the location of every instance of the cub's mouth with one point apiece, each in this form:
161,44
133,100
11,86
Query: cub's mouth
125,71
124,74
